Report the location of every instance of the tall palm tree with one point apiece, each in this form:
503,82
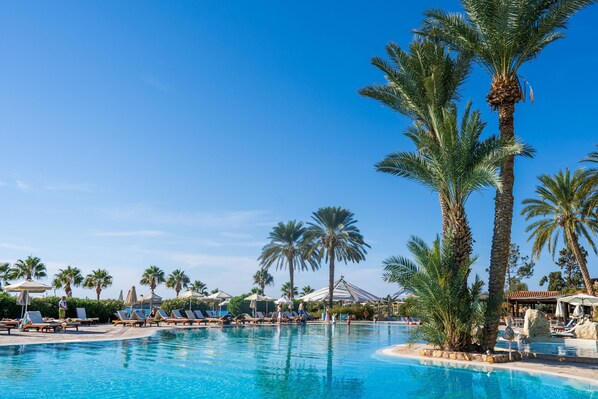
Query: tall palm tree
30,268
263,278
5,271
454,162
286,250
98,279
67,279
199,287
333,235
593,159
562,209
306,290
502,35
420,83
152,277
287,291
177,280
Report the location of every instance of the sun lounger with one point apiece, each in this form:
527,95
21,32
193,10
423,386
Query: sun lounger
226,319
11,322
288,317
139,315
177,315
246,318
7,328
83,319
163,316
571,324
125,320
34,320
266,319
194,319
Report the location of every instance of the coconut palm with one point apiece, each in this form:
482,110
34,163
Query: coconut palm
454,162
306,290
420,83
152,277
67,279
98,279
502,35
30,268
287,291
333,235
561,209
177,280
286,251
448,308
263,278
199,287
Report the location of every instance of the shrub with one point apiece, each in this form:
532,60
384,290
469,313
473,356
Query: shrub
238,305
183,304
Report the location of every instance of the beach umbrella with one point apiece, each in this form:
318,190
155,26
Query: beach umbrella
219,296
343,291
580,299
120,296
23,300
131,298
190,295
26,287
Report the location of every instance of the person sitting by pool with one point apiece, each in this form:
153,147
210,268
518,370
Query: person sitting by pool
302,315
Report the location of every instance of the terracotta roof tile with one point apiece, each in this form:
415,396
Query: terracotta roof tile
532,294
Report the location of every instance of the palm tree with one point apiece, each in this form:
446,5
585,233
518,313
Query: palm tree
177,280
306,290
502,35
98,279
333,236
420,83
67,278
562,209
28,268
449,308
454,162
287,291
286,250
199,287
263,278
593,158
152,277
5,270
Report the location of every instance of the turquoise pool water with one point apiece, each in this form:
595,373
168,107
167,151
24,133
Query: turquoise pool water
313,361
575,349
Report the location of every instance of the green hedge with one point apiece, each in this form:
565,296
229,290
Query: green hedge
183,304
48,306
354,310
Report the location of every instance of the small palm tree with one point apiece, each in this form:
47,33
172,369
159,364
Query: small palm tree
286,250
67,279
215,290
334,236
263,278
562,209
448,307
177,280
5,271
98,279
30,268
152,277
199,287
306,290
287,291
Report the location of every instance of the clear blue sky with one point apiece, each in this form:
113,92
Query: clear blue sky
179,133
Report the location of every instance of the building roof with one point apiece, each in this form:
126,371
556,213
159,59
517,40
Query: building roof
533,296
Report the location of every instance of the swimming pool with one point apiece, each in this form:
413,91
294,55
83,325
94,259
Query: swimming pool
314,361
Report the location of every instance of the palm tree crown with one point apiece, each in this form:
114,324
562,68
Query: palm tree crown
287,291
68,278
177,280
333,235
199,287
263,278
562,209
306,290
5,271
286,249
32,267
152,277
98,279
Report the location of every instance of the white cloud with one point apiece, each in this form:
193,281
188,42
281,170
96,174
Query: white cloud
16,247
22,186
134,233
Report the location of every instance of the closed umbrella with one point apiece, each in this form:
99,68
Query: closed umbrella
27,287
578,311
131,298
560,310
24,301
120,296
191,295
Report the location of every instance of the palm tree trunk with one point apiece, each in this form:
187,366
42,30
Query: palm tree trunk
151,300
331,277
98,290
461,235
291,277
501,238
581,261
444,214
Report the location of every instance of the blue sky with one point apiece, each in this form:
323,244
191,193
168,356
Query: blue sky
178,134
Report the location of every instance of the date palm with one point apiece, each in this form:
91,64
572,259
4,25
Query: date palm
333,235
199,287
177,280
98,279
286,250
287,291
152,277
67,279
306,290
30,268
420,83
263,278
561,209
502,35
454,163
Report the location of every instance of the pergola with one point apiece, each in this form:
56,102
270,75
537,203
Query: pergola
530,299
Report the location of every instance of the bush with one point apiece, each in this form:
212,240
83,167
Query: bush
48,307
238,305
183,304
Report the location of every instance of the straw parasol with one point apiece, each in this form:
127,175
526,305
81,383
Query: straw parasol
25,287
255,298
131,298
120,296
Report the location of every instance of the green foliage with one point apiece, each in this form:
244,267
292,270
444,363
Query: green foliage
48,306
285,289
519,268
67,278
98,280
30,268
152,277
306,290
177,280
555,281
262,278
183,304
448,307
568,264
238,305
199,287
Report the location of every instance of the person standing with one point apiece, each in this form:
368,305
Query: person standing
279,312
62,308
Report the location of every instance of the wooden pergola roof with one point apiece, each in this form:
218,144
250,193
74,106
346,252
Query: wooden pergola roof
533,296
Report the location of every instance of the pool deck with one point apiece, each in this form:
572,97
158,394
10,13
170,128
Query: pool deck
106,332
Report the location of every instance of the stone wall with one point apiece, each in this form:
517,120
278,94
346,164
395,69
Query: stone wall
502,357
